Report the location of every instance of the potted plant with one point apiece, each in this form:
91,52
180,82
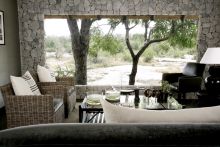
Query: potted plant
165,88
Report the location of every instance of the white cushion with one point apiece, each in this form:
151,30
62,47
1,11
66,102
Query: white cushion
20,86
29,79
119,114
45,75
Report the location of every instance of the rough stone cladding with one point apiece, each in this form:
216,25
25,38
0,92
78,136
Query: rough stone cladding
31,19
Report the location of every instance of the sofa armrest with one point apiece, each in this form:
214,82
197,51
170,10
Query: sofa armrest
63,83
171,77
57,91
27,110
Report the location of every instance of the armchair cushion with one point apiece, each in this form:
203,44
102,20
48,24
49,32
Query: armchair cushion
20,86
29,79
45,75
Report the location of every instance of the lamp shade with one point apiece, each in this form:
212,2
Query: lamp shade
211,56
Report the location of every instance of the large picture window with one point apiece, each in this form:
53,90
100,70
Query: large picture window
2,31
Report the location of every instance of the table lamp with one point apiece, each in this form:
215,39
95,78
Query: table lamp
212,82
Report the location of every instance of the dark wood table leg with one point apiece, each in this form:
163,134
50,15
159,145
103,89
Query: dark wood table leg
80,114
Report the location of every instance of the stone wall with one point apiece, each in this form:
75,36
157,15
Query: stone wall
209,26
31,19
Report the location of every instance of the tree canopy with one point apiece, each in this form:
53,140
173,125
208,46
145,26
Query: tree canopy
177,32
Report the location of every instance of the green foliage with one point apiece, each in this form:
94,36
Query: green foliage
164,46
149,55
114,23
165,87
126,56
183,35
100,42
58,45
161,29
137,41
66,71
165,49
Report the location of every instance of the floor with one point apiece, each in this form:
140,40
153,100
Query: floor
74,116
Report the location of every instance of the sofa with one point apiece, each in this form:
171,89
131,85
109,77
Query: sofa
200,134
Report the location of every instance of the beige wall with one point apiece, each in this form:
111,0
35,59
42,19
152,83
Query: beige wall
10,52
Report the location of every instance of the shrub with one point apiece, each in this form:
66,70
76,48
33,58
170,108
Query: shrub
148,55
65,71
126,56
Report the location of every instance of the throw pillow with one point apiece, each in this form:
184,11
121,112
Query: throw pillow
119,114
29,79
45,75
20,86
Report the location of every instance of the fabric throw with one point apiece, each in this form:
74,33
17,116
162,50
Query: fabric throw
45,75
33,86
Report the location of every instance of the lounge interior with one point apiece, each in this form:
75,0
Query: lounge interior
38,108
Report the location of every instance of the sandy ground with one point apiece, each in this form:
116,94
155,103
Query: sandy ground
119,75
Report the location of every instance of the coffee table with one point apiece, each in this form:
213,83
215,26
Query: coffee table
94,113
88,112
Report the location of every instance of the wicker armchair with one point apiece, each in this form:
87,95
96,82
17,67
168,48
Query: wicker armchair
68,83
29,110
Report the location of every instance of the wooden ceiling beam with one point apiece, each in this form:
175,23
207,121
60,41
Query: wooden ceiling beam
155,17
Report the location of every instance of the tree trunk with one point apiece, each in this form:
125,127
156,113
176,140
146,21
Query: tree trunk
133,71
135,57
80,45
80,57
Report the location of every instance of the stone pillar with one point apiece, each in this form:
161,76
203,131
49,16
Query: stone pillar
31,32
209,27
